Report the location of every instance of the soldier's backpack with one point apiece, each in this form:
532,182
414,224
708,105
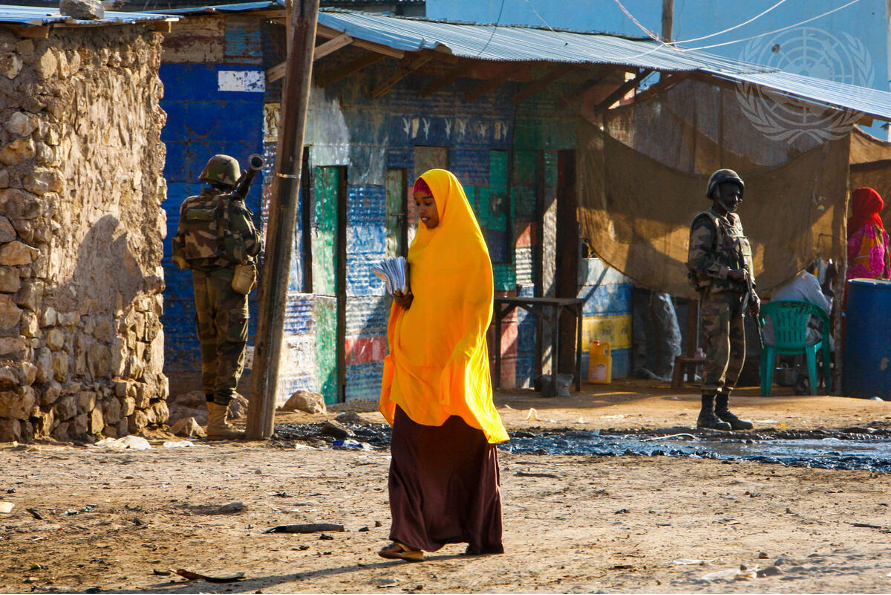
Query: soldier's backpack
205,238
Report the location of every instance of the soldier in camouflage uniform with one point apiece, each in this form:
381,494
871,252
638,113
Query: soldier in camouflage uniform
216,236
720,265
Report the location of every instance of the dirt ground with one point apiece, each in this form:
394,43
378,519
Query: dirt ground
126,520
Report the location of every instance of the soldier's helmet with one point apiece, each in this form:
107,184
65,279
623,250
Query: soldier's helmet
221,169
721,176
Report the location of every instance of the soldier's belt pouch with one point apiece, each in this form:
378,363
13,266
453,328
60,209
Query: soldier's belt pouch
244,279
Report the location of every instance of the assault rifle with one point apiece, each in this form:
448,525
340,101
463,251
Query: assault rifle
748,298
255,164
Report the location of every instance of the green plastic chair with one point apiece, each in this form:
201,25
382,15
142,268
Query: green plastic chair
790,321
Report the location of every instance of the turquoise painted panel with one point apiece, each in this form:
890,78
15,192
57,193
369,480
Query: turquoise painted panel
326,347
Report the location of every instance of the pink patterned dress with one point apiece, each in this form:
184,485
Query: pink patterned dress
868,254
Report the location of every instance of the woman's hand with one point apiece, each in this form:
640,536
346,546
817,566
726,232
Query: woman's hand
403,300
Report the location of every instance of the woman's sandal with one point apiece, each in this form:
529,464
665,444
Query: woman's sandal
400,551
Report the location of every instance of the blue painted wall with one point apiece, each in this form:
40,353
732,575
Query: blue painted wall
202,121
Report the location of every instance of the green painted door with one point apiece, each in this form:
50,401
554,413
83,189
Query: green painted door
397,190
329,279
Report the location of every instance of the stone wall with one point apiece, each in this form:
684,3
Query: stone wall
81,225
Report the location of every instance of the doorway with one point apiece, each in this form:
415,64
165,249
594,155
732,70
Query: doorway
328,237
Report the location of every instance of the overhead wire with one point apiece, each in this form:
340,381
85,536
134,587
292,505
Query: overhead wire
757,16
804,22
494,29
544,21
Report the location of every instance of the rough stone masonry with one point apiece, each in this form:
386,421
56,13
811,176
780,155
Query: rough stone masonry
81,225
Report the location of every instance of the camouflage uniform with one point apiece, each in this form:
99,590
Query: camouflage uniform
215,234
717,246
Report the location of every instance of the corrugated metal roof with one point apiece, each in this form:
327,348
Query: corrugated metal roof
487,42
240,7
35,16
530,44
522,44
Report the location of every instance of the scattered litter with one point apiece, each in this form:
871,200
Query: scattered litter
34,513
506,406
687,562
877,399
765,421
282,494
178,444
532,415
230,578
74,511
306,528
620,416
131,442
581,420
347,444
6,506
383,583
161,572
732,574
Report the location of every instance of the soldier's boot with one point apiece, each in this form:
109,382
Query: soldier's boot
210,405
723,413
707,418
217,426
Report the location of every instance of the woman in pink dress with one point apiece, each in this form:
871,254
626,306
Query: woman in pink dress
868,252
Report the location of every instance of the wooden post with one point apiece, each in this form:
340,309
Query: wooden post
282,217
667,19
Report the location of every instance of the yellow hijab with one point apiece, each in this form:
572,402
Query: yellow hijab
438,365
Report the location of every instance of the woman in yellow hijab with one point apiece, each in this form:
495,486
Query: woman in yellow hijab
444,483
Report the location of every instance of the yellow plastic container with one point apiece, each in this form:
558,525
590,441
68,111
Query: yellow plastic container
600,363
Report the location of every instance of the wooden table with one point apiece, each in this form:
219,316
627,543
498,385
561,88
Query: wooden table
547,309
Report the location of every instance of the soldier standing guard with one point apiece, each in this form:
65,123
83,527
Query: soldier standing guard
720,269
217,240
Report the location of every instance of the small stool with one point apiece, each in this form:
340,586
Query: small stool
685,369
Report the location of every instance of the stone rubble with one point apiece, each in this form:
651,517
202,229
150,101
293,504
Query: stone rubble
81,229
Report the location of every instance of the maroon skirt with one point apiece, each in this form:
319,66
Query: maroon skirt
444,486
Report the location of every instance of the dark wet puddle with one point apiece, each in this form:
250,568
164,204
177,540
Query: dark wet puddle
850,448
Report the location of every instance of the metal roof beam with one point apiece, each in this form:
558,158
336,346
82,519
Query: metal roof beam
329,78
664,84
504,74
622,90
400,74
540,84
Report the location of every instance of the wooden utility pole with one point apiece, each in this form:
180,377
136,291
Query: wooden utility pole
667,19
282,217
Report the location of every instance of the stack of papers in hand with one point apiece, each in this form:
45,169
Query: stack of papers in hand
392,271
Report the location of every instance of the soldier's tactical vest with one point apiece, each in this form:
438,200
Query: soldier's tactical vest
732,249
205,238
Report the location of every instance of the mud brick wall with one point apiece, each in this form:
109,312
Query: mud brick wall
81,225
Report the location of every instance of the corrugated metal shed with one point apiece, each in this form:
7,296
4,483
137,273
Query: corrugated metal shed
36,16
